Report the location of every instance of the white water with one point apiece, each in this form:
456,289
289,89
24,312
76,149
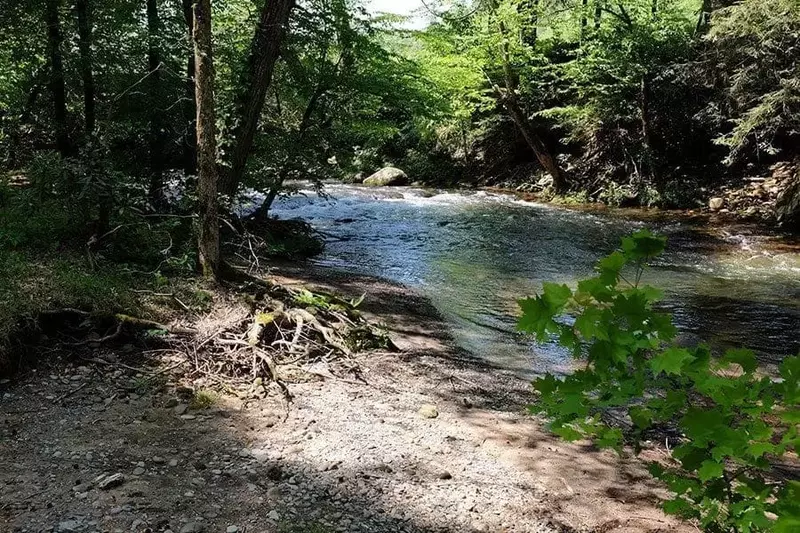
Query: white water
475,253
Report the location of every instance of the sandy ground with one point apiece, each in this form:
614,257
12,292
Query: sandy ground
342,456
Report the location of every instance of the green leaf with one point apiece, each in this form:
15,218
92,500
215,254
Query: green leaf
643,245
680,507
710,470
641,417
757,449
588,325
743,357
671,361
567,433
609,268
610,438
555,296
536,317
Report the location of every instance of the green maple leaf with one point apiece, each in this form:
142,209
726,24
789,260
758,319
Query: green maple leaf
555,295
609,268
588,325
671,361
536,317
710,470
742,357
643,245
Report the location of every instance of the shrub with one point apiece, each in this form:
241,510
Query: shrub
734,422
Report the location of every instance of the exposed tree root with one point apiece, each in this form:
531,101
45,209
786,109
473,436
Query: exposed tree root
277,335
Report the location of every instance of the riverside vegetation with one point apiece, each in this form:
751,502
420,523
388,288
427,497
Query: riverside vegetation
142,145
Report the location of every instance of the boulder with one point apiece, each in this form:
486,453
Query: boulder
715,204
787,207
387,176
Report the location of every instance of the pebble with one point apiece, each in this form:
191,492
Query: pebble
232,529
173,462
109,482
428,411
273,515
138,471
69,525
192,527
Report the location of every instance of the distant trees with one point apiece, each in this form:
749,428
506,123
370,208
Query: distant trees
57,86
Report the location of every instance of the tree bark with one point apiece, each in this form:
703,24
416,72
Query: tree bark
264,51
546,159
84,11
157,137
530,31
189,109
704,17
509,100
208,225
598,14
57,86
647,128
584,17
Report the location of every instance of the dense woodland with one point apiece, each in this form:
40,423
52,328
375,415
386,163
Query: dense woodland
634,102
143,143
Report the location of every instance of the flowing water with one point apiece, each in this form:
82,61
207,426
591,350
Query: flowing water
475,253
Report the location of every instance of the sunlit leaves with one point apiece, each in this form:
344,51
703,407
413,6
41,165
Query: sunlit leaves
671,361
733,422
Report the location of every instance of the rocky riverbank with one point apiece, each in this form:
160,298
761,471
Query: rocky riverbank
434,440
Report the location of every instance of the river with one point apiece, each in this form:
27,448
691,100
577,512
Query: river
475,253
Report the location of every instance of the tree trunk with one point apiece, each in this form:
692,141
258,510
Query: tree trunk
208,225
704,17
598,14
584,17
530,31
543,155
264,51
84,10
157,137
647,129
189,109
57,86
511,103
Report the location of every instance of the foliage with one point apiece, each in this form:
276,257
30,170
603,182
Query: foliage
734,421
758,49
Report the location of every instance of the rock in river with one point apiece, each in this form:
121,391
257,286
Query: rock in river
387,176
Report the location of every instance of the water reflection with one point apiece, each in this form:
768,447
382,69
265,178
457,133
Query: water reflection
474,254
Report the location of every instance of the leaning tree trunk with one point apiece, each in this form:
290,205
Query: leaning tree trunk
189,109
208,225
157,135
508,98
57,86
264,51
543,154
83,8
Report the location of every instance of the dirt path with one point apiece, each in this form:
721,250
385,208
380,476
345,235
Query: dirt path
343,457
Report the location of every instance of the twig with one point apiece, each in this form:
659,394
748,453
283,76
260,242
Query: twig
70,393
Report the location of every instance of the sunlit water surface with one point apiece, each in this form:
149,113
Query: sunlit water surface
475,253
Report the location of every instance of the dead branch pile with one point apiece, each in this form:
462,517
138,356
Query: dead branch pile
261,335
286,335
